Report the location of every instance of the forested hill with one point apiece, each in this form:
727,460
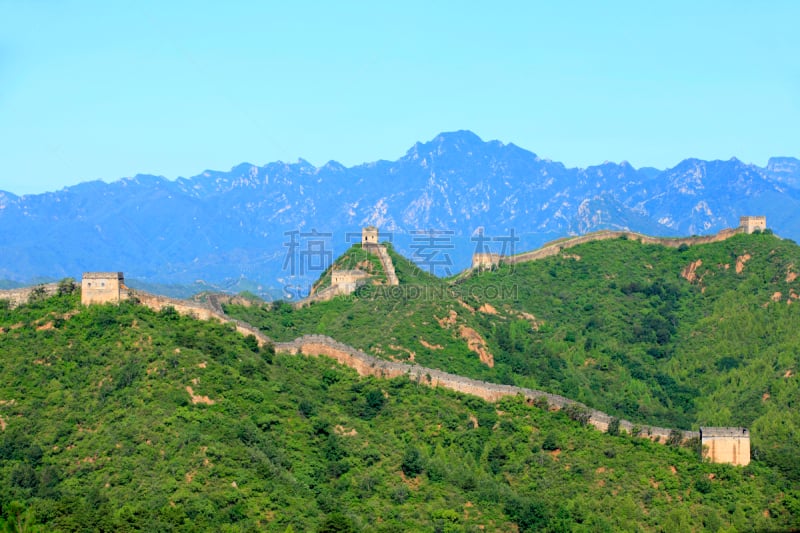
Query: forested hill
677,337
118,418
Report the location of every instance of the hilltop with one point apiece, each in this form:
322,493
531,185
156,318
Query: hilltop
117,417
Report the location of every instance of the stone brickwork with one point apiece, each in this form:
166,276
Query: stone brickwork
726,445
751,224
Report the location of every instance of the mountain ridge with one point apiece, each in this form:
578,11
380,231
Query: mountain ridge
229,229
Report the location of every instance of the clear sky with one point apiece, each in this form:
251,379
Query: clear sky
108,89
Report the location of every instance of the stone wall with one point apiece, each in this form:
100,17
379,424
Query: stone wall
386,263
367,365
555,247
17,297
339,277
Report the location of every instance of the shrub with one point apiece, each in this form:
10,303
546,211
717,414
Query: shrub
413,464
578,413
550,442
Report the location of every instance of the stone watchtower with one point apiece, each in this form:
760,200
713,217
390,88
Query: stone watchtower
750,224
369,236
726,445
102,287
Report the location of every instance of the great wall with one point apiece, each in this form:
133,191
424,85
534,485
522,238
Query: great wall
729,445
747,224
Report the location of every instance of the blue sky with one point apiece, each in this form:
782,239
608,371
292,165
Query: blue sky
103,90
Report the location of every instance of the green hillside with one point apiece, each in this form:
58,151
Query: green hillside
116,418
701,335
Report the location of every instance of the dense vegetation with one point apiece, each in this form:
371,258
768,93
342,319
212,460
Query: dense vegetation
701,335
100,431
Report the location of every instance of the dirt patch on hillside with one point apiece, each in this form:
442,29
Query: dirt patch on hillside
466,306
447,321
690,272
3,424
776,296
366,266
196,398
487,309
740,261
790,274
411,355
412,483
431,346
476,343
534,322
344,432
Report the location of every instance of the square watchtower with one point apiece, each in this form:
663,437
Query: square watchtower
369,236
726,445
102,287
751,224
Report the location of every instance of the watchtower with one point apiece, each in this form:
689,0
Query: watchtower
750,224
726,445
102,287
369,236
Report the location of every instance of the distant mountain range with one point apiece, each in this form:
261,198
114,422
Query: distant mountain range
268,228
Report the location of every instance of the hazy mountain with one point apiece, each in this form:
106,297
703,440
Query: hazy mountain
236,229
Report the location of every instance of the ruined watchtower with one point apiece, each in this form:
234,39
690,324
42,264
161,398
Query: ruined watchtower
750,224
102,287
726,445
369,236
